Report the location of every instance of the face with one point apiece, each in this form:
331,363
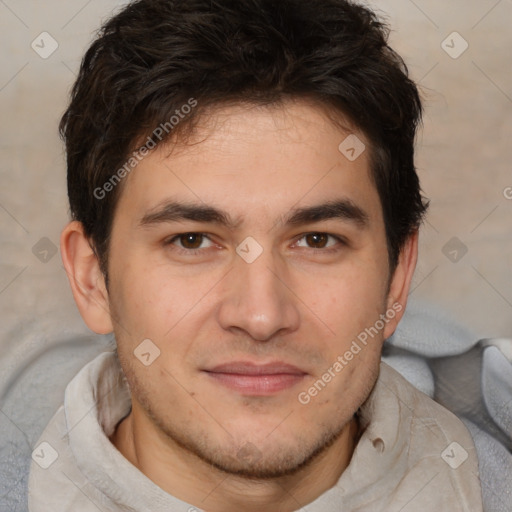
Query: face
252,259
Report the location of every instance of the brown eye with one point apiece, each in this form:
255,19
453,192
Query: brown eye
320,241
190,244
317,240
191,240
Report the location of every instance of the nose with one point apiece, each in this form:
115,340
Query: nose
257,300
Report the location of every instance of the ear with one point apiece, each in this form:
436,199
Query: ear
401,283
86,279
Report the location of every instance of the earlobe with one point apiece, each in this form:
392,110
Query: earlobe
401,282
86,279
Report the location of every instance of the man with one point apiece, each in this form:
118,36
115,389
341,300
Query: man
245,220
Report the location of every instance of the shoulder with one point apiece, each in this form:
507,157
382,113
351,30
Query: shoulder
437,450
55,481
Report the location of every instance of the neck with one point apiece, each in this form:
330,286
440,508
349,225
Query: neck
190,479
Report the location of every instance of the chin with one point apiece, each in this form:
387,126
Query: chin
276,455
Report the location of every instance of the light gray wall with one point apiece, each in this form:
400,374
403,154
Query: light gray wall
464,158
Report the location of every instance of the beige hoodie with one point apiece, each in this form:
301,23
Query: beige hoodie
413,455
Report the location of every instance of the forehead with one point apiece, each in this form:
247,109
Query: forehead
258,159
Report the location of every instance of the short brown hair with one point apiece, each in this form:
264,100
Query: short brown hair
155,55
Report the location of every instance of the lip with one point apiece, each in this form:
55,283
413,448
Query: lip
252,379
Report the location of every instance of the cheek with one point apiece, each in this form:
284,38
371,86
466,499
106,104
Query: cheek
354,298
156,302
350,306
140,300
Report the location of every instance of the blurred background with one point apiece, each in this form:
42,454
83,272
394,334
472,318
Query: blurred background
458,51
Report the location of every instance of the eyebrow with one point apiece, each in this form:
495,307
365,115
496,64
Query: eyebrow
174,211
343,209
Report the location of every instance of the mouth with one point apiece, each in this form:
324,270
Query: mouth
252,379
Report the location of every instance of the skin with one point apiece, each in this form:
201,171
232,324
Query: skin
302,301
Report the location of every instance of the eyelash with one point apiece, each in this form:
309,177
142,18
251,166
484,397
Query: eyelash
194,252
181,250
